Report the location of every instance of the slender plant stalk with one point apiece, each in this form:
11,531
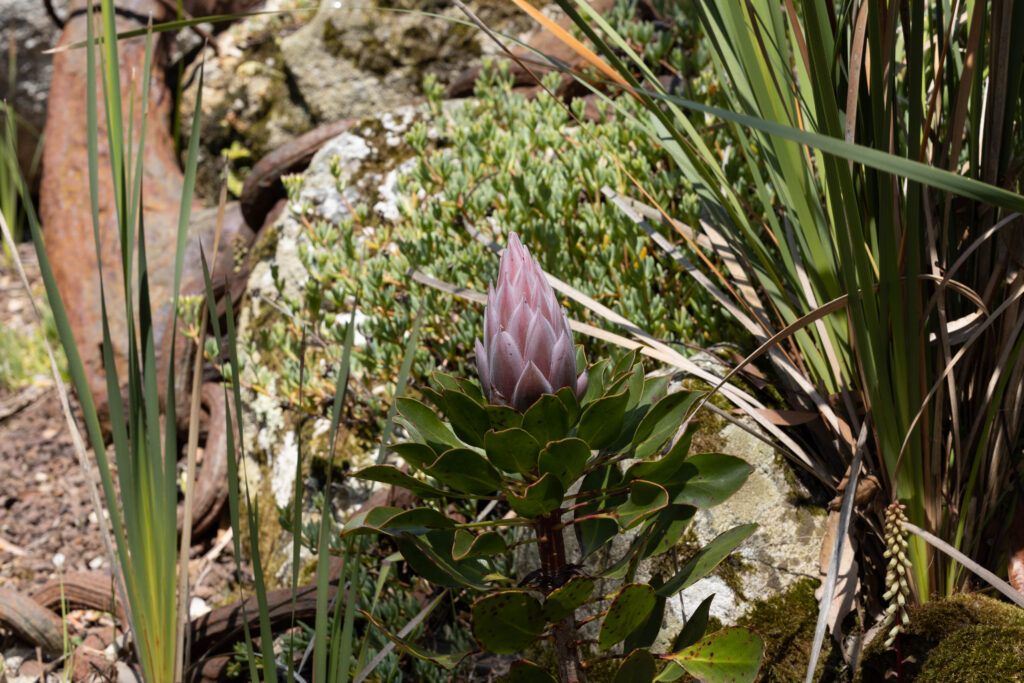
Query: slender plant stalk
554,563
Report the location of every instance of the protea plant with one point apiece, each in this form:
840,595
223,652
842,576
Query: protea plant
527,349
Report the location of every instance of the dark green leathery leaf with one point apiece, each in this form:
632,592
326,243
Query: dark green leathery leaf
645,499
388,474
466,470
447,660
503,417
396,520
629,609
467,545
565,459
418,455
654,388
643,636
465,386
563,600
635,387
435,397
572,406
595,384
695,626
429,555
507,621
425,424
624,362
602,420
732,654
638,667
547,419
661,422
666,530
444,381
537,499
525,671
708,479
468,418
595,532
512,450
664,469
709,557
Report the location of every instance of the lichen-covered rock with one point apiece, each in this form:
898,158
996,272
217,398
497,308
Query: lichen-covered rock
273,77
357,59
357,167
248,106
783,550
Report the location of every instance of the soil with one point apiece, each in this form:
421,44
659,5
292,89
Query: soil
44,503
46,514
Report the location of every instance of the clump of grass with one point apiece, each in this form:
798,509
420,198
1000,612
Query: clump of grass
23,358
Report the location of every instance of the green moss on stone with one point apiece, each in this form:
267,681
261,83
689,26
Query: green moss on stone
977,654
966,637
787,623
707,439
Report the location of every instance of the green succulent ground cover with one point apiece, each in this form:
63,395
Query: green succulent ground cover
503,162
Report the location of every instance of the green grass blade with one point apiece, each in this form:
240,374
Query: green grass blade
326,517
233,405
252,508
408,355
341,646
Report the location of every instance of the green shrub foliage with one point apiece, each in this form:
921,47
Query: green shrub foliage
559,468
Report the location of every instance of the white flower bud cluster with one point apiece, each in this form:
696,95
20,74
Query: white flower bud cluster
897,587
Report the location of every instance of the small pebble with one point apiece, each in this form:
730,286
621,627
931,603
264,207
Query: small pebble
197,607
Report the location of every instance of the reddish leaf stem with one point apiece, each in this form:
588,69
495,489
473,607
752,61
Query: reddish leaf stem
553,563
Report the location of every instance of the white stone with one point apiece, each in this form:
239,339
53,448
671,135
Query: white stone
282,478
197,607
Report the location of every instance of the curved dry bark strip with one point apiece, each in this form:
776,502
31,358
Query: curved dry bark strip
69,230
214,634
88,590
211,492
31,622
263,188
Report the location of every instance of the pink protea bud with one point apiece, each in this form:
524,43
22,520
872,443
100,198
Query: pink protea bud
527,348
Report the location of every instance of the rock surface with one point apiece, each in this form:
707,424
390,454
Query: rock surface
34,33
366,159
358,60
270,80
783,550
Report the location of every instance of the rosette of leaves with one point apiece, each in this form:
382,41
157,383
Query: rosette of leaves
606,464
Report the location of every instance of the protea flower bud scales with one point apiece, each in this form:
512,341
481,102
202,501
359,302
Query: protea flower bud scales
527,348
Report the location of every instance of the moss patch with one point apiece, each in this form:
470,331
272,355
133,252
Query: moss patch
977,653
967,637
787,623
